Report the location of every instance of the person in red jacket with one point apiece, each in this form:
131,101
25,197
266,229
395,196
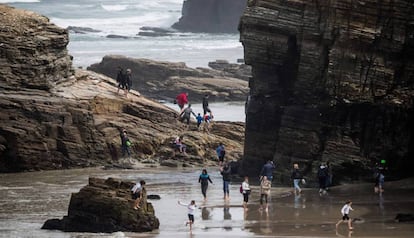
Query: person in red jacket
182,100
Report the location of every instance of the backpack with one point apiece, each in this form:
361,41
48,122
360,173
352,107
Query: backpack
241,188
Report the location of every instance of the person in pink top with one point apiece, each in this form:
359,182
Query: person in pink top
182,99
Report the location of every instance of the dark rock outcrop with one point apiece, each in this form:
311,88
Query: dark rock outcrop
332,81
212,16
55,117
105,206
165,80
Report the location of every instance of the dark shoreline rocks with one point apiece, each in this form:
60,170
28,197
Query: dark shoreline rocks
105,206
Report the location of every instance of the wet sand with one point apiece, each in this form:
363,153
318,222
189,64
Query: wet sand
29,199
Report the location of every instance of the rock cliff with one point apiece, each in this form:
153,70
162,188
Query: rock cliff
105,206
211,16
165,80
332,81
54,117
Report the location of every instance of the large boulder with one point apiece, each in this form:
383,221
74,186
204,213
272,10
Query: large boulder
212,16
105,206
165,80
332,81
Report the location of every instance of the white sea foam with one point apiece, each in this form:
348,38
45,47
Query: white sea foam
16,1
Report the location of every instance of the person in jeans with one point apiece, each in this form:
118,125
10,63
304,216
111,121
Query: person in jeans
297,177
226,173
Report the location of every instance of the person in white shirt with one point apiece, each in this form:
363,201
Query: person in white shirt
137,192
246,192
345,212
191,209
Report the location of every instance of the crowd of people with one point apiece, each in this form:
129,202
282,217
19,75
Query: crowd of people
185,113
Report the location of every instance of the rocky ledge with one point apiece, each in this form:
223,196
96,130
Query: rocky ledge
105,206
165,80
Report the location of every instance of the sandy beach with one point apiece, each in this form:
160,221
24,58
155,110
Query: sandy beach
27,204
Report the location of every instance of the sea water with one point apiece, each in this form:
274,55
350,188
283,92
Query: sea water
125,18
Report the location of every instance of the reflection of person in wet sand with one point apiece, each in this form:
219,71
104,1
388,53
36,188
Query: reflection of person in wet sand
226,213
345,212
191,209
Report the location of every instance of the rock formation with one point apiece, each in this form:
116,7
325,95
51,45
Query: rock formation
53,117
332,81
211,16
165,80
105,206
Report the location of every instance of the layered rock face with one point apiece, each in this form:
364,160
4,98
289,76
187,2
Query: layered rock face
105,206
53,117
33,51
211,16
332,81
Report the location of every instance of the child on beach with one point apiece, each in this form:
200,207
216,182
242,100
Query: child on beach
191,209
246,192
345,212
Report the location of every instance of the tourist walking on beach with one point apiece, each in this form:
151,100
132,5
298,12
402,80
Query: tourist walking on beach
225,171
267,170
221,152
245,191
322,177
137,193
125,143
181,100
265,186
345,215
206,108
204,178
297,177
191,209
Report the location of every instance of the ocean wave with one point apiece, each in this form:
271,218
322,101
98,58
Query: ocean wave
114,8
17,1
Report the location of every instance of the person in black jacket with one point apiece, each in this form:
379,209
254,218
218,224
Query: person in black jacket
322,177
297,177
226,173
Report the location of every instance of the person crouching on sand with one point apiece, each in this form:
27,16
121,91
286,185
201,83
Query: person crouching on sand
191,209
345,212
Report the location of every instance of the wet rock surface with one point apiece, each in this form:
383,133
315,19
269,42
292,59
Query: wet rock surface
105,206
332,81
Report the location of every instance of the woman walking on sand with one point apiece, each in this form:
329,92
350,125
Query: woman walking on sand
265,186
204,179
345,212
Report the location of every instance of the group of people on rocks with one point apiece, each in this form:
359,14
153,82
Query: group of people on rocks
203,121
124,80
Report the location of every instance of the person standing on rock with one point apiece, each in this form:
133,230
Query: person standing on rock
297,177
191,209
206,108
128,82
125,143
225,171
137,193
120,79
186,115
204,179
221,152
181,100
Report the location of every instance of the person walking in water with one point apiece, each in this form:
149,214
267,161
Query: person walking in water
265,186
204,179
181,100
345,215
191,209
297,177
246,192
225,171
